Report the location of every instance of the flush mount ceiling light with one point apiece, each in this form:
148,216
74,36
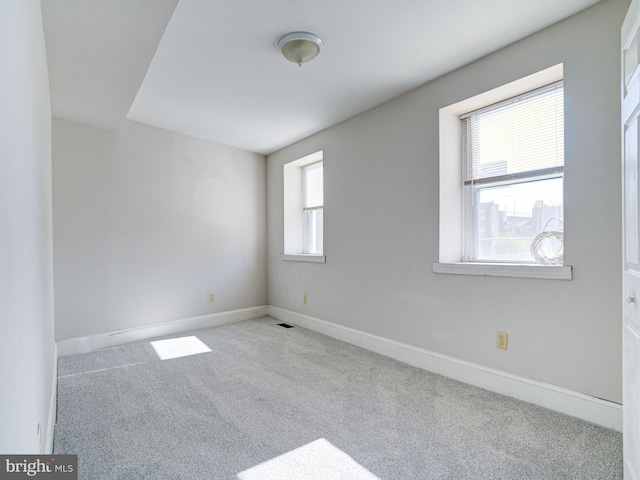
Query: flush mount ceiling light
300,47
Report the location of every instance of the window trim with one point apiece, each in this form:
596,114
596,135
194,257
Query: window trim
304,257
450,206
514,270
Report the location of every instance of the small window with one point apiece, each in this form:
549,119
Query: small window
512,179
304,209
312,207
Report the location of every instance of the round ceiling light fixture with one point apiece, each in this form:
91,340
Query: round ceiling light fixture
300,47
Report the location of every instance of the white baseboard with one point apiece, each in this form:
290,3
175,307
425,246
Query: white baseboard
51,421
595,410
111,339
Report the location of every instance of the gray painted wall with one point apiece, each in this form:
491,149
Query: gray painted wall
27,347
381,223
147,222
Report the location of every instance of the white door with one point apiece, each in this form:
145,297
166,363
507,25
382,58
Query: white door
631,251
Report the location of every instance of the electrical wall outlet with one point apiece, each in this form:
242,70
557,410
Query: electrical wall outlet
211,296
502,340
304,299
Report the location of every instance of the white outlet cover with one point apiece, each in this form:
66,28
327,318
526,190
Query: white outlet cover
179,347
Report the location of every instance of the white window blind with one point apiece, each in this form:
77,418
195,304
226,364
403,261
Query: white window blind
312,186
518,138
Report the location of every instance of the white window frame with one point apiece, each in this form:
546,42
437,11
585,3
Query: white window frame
295,237
310,235
451,247
471,188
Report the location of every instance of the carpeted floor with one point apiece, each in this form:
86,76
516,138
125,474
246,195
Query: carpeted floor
274,403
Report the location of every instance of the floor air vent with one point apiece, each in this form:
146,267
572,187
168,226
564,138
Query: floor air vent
285,325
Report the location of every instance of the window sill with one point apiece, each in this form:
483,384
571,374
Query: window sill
304,258
550,272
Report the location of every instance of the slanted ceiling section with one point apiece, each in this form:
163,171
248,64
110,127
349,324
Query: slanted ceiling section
98,53
216,73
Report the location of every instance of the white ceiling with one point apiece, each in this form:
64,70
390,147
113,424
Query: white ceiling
216,73
98,52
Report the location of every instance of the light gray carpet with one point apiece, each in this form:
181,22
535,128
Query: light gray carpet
265,390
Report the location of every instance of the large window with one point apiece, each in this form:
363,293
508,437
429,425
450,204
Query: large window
512,179
502,181
304,209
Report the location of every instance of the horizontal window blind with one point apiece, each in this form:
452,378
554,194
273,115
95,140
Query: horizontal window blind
312,191
517,138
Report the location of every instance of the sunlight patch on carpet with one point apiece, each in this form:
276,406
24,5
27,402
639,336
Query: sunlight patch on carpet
179,347
318,459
